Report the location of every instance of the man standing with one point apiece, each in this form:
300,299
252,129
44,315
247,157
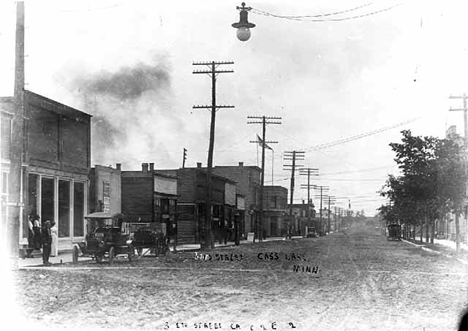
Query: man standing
46,241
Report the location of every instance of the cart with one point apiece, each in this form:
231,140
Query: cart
394,231
107,235
149,238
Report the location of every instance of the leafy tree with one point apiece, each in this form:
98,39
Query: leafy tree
432,181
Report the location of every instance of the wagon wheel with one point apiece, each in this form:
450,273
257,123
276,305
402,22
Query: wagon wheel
131,252
98,258
75,254
111,255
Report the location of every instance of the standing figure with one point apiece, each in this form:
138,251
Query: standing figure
54,245
46,242
31,243
37,232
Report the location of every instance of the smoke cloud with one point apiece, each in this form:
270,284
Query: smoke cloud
132,112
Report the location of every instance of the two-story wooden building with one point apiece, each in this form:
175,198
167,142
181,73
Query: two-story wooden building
192,192
55,165
150,196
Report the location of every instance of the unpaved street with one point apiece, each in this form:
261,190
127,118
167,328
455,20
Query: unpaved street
363,282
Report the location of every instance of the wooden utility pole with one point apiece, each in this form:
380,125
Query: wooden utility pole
213,72
264,120
308,172
322,188
464,97
331,201
292,156
15,202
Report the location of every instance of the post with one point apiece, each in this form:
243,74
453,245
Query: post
264,121
291,198
208,226
15,202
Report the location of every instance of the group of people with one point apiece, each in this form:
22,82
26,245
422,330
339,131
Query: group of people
43,236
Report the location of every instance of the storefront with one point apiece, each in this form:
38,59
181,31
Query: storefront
61,198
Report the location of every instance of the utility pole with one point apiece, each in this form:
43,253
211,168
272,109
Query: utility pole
322,188
264,120
213,72
292,156
331,201
18,152
465,145
184,158
308,172
334,219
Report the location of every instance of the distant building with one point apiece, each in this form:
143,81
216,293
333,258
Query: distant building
192,204
150,196
303,215
247,180
105,192
56,162
275,212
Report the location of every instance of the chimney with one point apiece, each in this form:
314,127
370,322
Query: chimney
199,164
118,166
151,166
144,167
241,164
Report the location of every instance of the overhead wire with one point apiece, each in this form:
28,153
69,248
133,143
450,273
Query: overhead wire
305,17
260,12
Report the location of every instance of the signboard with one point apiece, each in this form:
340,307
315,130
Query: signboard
230,194
106,196
240,203
165,185
250,236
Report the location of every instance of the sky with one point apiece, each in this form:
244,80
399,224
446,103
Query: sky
130,63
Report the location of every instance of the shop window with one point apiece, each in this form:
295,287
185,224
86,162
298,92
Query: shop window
78,209
165,206
64,209
33,180
47,199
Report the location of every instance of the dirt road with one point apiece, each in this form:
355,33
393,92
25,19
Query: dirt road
353,280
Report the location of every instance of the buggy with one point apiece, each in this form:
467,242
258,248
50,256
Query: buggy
107,235
394,231
149,238
310,232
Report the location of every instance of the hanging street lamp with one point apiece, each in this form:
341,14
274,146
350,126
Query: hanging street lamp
243,26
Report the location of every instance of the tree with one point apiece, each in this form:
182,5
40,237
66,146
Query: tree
451,180
432,181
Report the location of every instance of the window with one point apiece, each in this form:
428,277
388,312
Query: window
64,209
165,206
33,180
4,183
273,202
78,210
47,199
6,137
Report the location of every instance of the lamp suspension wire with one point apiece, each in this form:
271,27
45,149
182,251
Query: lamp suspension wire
328,17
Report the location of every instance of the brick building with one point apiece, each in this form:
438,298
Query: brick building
275,221
247,180
56,158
